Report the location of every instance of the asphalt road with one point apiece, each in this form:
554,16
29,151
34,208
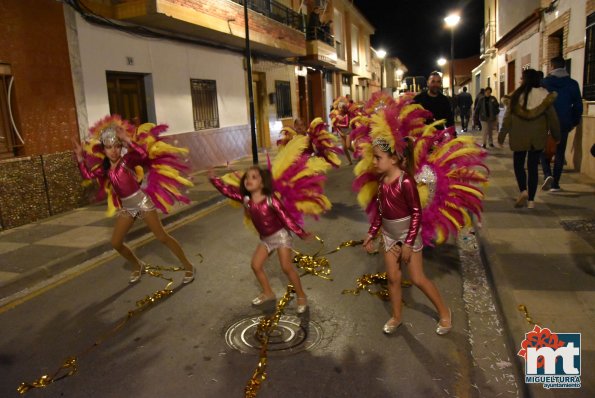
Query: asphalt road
177,347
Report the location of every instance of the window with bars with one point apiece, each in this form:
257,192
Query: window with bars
589,71
283,96
204,104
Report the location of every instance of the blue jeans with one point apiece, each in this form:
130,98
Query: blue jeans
558,160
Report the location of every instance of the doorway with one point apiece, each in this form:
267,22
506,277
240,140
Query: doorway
511,77
263,136
126,94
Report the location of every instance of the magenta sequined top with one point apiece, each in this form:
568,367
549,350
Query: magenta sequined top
122,177
396,200
268,216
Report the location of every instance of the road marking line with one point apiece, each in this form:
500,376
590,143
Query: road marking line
16,299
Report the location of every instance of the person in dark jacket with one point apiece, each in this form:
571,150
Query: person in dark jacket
465,101
488,108
476,121
569,107
528,119
433,100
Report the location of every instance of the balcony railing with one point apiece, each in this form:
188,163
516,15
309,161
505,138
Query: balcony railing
321,33
276,11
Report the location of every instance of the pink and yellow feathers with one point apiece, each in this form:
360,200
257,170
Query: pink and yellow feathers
164,170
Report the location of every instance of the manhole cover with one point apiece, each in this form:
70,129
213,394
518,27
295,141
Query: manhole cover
579,225
288,338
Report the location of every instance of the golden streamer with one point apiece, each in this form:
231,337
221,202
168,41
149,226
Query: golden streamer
365,282
265,327
317,264
70,364
524,310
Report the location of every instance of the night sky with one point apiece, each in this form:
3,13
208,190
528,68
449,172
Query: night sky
413,30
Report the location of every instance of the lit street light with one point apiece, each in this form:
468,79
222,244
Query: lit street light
381,54
451,22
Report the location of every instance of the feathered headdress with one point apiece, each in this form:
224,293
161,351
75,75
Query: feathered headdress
163,169
447,171
323,143
298,180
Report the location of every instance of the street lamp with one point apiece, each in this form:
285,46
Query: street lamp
441,62
381,54
451,22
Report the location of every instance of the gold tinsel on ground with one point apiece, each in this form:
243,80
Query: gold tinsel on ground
69,367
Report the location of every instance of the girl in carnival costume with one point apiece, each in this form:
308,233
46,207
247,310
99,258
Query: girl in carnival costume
321,142
340,117
402,159
100,157
275,200
287,133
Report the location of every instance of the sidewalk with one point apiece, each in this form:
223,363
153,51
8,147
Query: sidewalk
544,259
35,252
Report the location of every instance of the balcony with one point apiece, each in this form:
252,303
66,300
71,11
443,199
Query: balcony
276,11
487,40
274,28
320,44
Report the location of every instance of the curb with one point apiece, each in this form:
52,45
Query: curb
61,264
503,301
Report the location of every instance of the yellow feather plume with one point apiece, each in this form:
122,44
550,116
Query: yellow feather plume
367,193
287,156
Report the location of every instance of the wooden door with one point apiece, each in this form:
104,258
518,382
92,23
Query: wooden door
126,93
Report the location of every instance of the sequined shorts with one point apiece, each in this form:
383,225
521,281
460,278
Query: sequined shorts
136,204
395,231
281,238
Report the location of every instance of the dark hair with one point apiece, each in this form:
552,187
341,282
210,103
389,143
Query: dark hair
558,62
106,164
267,181
530,80
434,73
486,89
408,162
465,89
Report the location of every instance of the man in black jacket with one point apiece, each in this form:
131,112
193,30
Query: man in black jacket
433,100
465,101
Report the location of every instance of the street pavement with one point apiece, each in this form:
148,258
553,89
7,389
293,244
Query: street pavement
76,290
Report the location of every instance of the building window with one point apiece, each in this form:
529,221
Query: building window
589,74
204,104
9,141
328,76
346,80
354,44
283,96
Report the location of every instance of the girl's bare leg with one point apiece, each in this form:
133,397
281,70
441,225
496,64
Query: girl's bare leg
154,223
345,139
394,276
287,267
123,224
258,260
420,280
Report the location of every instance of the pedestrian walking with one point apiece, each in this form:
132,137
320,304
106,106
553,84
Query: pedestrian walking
434,101
569,108
476,121
465,102
271,205
528,119
488,108
116,175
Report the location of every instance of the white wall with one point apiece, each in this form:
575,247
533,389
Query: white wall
576,34
171,66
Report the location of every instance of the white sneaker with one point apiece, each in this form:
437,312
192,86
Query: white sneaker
547,184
